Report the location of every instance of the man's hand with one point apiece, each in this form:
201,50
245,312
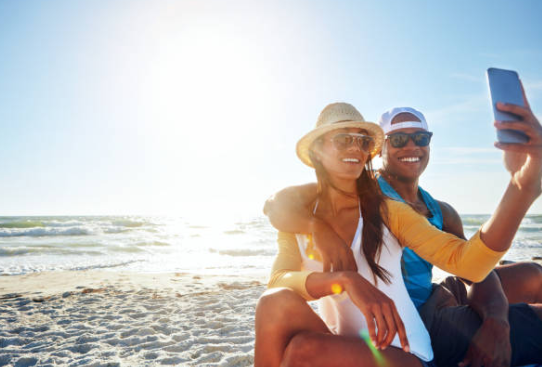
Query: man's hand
336,254
490,346
523,161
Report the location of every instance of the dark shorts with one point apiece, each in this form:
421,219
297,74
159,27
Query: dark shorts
428,364
452,324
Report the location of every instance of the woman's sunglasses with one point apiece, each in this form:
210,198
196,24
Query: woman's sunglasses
420,138
343,141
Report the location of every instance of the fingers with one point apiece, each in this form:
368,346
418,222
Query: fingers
370,318
511,125
392,329
327,263
521,111
519,148
401,330
525,101
381,325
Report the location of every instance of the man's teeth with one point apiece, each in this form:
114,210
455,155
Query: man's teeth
351,160
410,159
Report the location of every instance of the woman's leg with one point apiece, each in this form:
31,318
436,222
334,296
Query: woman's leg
521,282
309,349
280,314
290,333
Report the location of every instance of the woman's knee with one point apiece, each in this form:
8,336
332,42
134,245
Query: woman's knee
278,305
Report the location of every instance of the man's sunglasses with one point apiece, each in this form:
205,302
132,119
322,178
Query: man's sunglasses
343,141
420,138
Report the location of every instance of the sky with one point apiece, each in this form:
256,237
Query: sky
193,108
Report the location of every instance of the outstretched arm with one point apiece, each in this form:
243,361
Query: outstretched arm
290,210
490,345
524,162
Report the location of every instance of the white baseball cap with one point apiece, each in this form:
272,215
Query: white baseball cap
387,117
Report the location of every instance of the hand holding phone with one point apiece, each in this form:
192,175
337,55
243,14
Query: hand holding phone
504,86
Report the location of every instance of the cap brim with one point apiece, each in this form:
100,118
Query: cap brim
304,144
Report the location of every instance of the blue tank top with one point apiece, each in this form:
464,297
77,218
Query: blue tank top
417,272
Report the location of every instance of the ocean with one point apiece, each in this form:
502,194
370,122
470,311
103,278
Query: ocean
170,244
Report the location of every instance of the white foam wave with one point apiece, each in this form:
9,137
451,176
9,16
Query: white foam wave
40,232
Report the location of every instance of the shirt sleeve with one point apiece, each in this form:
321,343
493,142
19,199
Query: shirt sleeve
471,259
287,268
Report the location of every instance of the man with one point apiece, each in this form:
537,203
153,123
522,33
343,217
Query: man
478,328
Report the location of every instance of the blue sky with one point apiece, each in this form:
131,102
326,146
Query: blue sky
194,107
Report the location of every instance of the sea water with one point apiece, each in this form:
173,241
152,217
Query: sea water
171,244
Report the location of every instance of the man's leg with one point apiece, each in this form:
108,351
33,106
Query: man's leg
525,333
521,282
452,327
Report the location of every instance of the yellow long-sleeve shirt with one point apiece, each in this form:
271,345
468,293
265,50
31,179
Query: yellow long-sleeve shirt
471,259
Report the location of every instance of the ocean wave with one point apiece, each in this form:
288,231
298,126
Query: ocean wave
243,252
113,230
235,231
129,223
474,220
104,266
29,251
152,244
22,224
41,232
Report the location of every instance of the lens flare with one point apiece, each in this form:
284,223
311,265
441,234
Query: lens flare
378,356
336,288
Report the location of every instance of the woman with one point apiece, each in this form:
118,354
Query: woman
340,149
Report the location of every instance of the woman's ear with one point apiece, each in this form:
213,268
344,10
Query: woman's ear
316,153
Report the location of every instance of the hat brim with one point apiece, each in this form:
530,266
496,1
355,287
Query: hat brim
304,144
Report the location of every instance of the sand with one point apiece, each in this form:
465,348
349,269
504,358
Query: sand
98,318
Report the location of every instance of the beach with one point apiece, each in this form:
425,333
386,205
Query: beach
145,291
105,318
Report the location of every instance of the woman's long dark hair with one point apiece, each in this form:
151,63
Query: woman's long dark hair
373,209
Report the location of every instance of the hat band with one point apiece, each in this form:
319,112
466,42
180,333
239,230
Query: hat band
406,125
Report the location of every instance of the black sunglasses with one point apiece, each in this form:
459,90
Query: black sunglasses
420,138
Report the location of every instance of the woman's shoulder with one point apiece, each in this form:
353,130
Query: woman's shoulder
286,237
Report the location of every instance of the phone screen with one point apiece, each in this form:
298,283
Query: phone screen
504,86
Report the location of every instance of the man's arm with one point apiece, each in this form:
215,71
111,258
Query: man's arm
290,210
491,343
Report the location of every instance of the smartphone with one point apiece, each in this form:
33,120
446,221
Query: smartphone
504,86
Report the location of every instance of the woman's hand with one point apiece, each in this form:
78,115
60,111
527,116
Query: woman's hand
378,309
336,255
523,161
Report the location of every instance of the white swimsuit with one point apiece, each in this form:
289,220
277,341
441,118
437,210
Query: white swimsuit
343,317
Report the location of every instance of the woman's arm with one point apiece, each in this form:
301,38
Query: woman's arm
379,310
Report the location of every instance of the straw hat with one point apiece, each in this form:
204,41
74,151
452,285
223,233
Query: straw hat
338,116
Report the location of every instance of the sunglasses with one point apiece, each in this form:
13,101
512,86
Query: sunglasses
343,141
420,138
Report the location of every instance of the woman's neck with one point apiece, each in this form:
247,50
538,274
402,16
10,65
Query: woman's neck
333,201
